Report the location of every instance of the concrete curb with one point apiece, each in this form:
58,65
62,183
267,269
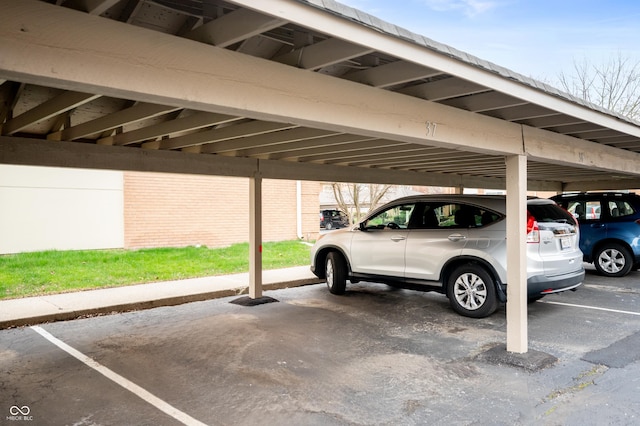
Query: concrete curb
53,312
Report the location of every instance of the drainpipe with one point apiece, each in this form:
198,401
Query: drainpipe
299,209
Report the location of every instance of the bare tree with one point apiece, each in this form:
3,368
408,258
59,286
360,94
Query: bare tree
376,193
352,198
614,85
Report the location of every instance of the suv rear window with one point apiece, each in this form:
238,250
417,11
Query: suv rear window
550,213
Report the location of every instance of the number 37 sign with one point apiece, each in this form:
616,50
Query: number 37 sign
430,127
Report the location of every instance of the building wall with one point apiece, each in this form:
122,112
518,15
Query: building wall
169,210
46,208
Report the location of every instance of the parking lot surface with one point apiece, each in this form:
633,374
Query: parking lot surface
376,356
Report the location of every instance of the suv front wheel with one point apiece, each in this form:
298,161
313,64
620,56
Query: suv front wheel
336,273
471,291
613,260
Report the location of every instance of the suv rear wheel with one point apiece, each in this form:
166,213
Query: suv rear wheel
336,273
613,260
472,292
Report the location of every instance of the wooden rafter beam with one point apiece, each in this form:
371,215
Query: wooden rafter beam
323,54
195,121
56,106
138,112
234,27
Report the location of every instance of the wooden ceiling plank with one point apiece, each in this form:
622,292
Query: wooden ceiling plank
324,145
444,89
236,26
219,134
266,141
60,104
484,101
133,114
374,154
193,122
322,54
358,149
551,121
521,113
9,95
276,148
391,74
417,159
92,7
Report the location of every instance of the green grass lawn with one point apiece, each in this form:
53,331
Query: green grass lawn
47,272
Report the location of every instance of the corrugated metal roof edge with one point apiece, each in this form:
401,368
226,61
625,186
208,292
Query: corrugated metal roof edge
380,25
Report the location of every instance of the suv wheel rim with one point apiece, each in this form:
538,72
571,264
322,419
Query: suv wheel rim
329,273
470,291
611,261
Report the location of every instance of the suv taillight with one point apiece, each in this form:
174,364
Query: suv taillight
533,231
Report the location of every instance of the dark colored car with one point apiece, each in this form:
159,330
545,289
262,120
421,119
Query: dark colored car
609,229
330,219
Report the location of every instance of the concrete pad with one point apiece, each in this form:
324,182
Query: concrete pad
531,361
248,301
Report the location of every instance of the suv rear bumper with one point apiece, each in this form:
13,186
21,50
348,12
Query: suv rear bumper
542,284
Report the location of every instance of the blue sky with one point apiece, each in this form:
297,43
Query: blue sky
536,38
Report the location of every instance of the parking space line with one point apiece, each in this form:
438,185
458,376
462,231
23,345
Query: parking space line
115,377
591,307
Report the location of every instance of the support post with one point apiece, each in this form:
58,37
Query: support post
517,338
255,236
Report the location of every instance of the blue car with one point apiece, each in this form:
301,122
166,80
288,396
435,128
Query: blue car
609,229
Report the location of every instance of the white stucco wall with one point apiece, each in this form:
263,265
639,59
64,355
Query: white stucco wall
45,208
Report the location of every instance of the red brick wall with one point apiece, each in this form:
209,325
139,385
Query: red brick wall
170,210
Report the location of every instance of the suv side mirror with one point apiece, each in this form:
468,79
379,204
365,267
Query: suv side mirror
362,226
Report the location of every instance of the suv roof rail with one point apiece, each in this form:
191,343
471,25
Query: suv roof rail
603,193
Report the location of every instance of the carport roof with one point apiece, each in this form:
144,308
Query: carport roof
308,89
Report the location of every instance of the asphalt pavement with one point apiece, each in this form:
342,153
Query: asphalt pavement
375,356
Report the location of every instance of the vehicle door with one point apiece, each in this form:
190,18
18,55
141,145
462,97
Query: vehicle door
439,232
592,228
620,213
378,247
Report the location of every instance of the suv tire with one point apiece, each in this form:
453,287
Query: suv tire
613,260
336,273
328,226
472,292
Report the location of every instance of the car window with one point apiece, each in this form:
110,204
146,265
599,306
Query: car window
396,217
549,213
619,208
451,215
584,210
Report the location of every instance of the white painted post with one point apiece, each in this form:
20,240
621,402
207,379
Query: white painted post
255,236
517,338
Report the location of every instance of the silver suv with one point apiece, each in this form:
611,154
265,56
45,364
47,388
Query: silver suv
452,244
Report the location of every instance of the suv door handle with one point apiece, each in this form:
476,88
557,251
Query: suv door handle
597,225
398,238
456,237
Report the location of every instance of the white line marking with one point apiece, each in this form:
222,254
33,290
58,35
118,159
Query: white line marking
128,385
591,307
